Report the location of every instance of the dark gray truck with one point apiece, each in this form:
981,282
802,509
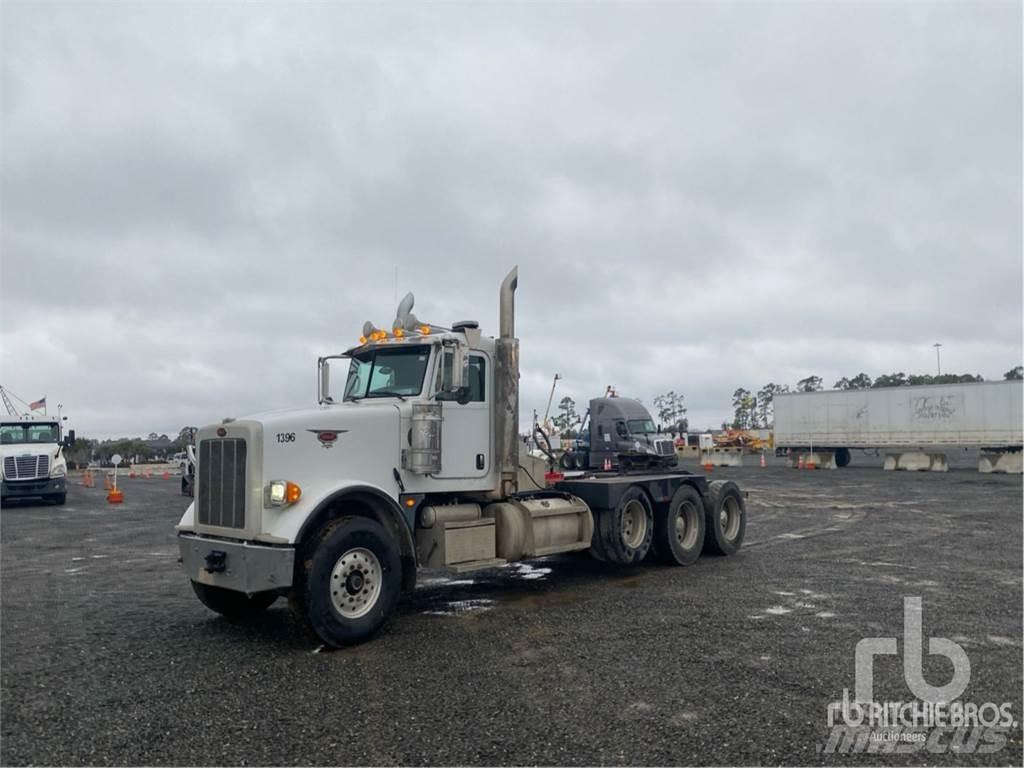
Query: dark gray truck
619,433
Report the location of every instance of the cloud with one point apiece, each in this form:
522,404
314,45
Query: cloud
196,200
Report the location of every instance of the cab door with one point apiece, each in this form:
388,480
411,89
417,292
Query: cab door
466,427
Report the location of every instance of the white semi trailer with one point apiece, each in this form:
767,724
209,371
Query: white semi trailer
983,415
414,463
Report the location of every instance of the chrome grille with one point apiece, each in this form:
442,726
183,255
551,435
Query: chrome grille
26,467
665,447
220,486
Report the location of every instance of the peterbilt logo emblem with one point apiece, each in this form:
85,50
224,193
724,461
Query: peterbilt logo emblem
327,436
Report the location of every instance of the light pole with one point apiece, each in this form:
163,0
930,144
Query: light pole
938,366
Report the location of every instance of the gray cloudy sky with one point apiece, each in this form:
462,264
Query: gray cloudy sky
197,199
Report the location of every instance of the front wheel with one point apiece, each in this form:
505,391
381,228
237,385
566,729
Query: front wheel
349,586
59,499
237,606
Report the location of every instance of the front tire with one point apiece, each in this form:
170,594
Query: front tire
236,606
679,528
59,499
350,584
725,518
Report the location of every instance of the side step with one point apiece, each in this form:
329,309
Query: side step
558,548
475,565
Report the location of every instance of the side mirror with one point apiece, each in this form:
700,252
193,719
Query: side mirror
323,394
69,440
454,368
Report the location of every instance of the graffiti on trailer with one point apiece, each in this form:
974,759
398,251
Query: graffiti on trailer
928,407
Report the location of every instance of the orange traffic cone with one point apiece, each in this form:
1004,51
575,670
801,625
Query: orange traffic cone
87,479
106,483
800,462
707,463
763,465
167,475
131,473
115,496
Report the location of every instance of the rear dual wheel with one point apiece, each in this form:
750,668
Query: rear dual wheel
679,528
624,534
725,518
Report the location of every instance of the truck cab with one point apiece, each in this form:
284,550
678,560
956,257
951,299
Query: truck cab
408,459
406,421
33,463
620,433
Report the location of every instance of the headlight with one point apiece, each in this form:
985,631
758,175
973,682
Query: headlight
282,492
59,471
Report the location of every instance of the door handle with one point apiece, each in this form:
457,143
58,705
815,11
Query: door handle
480,461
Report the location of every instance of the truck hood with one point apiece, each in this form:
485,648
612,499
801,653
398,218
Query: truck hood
33,449
292,417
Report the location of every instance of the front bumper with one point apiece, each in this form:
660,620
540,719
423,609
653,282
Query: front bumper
44,486
236,565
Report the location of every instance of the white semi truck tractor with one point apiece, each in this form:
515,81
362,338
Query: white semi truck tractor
414,462
32,449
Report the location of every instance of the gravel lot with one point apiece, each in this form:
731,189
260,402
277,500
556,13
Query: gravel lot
108,658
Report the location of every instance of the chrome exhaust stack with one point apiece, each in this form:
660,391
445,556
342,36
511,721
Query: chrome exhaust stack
506,390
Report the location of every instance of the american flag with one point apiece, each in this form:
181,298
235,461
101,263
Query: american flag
37,404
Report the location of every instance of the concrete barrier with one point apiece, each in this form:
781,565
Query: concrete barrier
723,457
916,461
1008,462
818,460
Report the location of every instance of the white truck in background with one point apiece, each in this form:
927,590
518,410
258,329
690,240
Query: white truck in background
984,415
32,454
415,462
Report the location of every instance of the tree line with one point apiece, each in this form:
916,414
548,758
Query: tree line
756,411
85,449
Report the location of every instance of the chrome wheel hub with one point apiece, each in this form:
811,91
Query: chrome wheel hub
355,583
686,529
634,524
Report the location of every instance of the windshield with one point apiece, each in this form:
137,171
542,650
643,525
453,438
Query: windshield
11,434
641,427
387,372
